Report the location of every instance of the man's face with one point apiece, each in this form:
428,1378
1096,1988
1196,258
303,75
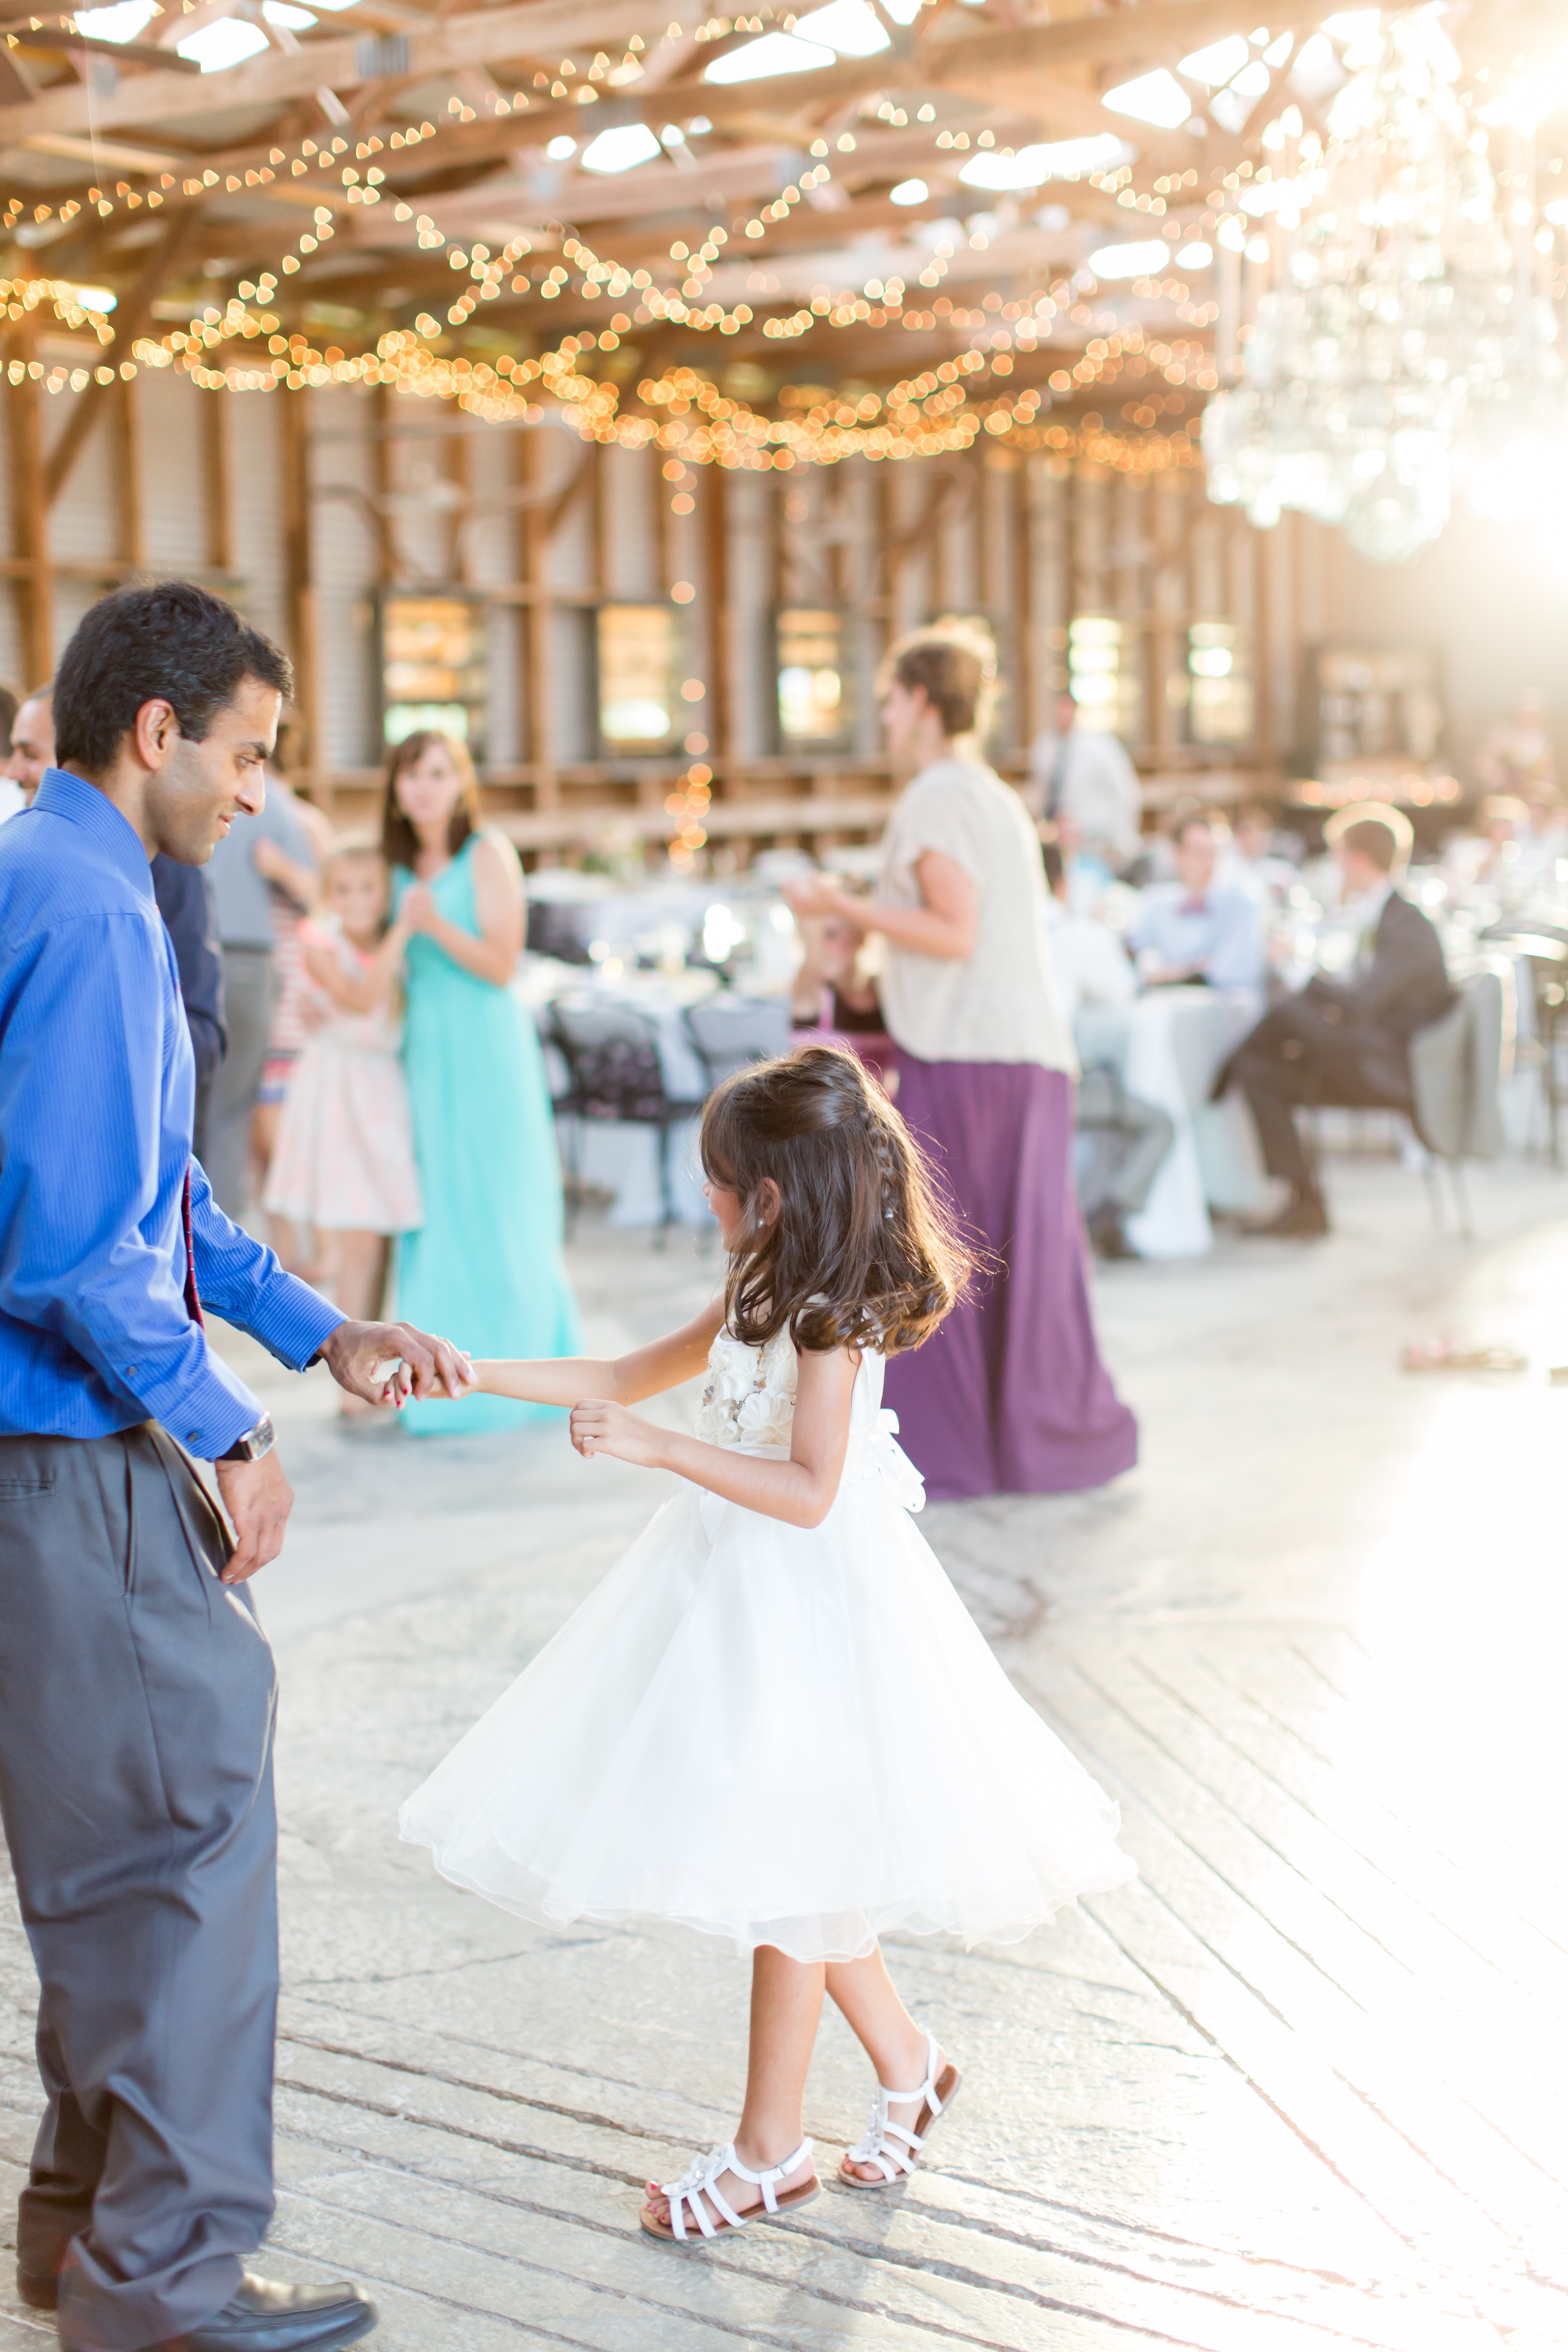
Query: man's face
195,794
1195,858
32,743
1066,712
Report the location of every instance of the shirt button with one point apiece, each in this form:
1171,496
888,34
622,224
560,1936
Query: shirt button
193,1436
131,1371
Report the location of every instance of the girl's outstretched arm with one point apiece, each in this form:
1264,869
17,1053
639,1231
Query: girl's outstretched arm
800,1491
625,1380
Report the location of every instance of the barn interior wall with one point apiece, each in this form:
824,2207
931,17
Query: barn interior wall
547,528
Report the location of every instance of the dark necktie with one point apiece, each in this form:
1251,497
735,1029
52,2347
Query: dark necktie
1193,907
193,1297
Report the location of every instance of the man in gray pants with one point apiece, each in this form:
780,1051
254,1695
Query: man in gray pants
136,1688
270,845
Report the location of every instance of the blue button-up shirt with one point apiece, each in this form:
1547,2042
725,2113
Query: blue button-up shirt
1220,934
97,1088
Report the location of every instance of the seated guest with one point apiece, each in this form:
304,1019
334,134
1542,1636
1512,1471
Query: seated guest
1345,1041
835,1000
1257,860
1488,858
1129,1138
1086,776
1545,843
1195,929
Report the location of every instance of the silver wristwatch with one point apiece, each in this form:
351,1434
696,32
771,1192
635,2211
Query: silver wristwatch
254,1443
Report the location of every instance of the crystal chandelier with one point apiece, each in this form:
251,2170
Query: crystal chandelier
1392,320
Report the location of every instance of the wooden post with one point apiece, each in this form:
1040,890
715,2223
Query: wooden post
302,589
459,553
1263,649
720,728
218,482
30,510
533,459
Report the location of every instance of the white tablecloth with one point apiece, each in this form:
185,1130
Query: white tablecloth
1169,1047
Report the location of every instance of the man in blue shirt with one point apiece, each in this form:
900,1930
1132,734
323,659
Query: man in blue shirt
136,1689
1194,929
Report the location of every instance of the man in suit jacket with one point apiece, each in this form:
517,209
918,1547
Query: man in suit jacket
1345,1041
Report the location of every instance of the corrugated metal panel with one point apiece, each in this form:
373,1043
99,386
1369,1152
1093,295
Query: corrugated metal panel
750,547
173,468
631,545
255,426
84,519
345,562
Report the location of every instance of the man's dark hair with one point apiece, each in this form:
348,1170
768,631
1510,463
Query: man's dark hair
168,641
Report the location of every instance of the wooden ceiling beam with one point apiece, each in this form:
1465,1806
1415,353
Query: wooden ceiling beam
547,30
131,316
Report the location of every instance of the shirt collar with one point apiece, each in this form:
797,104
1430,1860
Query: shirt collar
1368,909
79,802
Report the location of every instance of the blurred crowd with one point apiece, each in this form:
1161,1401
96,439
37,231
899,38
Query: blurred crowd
371,1087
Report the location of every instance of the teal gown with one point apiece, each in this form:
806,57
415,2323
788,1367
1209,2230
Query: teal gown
485,1270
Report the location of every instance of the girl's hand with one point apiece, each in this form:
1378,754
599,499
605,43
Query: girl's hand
598,1428
417,909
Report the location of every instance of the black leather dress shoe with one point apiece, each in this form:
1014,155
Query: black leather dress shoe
40,2290
263,2318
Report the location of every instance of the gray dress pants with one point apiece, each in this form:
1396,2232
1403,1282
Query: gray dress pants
136,1713
247,996
1129,1139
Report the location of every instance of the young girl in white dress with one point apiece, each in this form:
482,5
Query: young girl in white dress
774,1721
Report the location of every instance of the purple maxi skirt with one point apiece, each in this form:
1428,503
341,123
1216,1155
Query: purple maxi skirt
1010,1397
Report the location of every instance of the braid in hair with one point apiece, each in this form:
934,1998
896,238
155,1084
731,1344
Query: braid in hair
882,1145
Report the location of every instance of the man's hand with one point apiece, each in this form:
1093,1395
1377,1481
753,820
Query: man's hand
384,1363
258,1499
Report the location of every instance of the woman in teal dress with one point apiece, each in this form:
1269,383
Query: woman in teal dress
485,1267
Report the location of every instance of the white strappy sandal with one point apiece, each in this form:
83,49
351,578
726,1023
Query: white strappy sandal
696,2189
877,2147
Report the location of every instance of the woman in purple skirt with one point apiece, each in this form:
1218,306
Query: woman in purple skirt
1010,1397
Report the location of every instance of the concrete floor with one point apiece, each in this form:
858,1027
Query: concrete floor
1303,2085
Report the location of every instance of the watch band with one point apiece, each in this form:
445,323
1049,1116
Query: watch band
255,1443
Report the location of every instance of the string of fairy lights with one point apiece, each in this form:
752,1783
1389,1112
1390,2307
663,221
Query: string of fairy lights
919,417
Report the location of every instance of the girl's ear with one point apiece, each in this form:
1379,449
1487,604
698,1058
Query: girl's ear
767,1205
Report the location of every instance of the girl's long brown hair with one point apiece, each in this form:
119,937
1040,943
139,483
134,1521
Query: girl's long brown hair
399,842
863,1251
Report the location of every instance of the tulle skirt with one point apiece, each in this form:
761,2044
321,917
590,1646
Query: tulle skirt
782,1736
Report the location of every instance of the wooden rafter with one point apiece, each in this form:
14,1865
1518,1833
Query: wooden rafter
132,317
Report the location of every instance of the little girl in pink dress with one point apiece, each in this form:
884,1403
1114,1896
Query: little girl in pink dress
345,1160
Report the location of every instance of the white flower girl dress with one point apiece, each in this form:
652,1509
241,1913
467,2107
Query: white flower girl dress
780,1735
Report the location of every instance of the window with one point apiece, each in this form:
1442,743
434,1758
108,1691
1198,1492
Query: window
1220,706
1103,675
813,706
433,669
639,687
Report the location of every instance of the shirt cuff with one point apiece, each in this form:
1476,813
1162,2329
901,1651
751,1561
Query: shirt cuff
207,1409
291,1320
